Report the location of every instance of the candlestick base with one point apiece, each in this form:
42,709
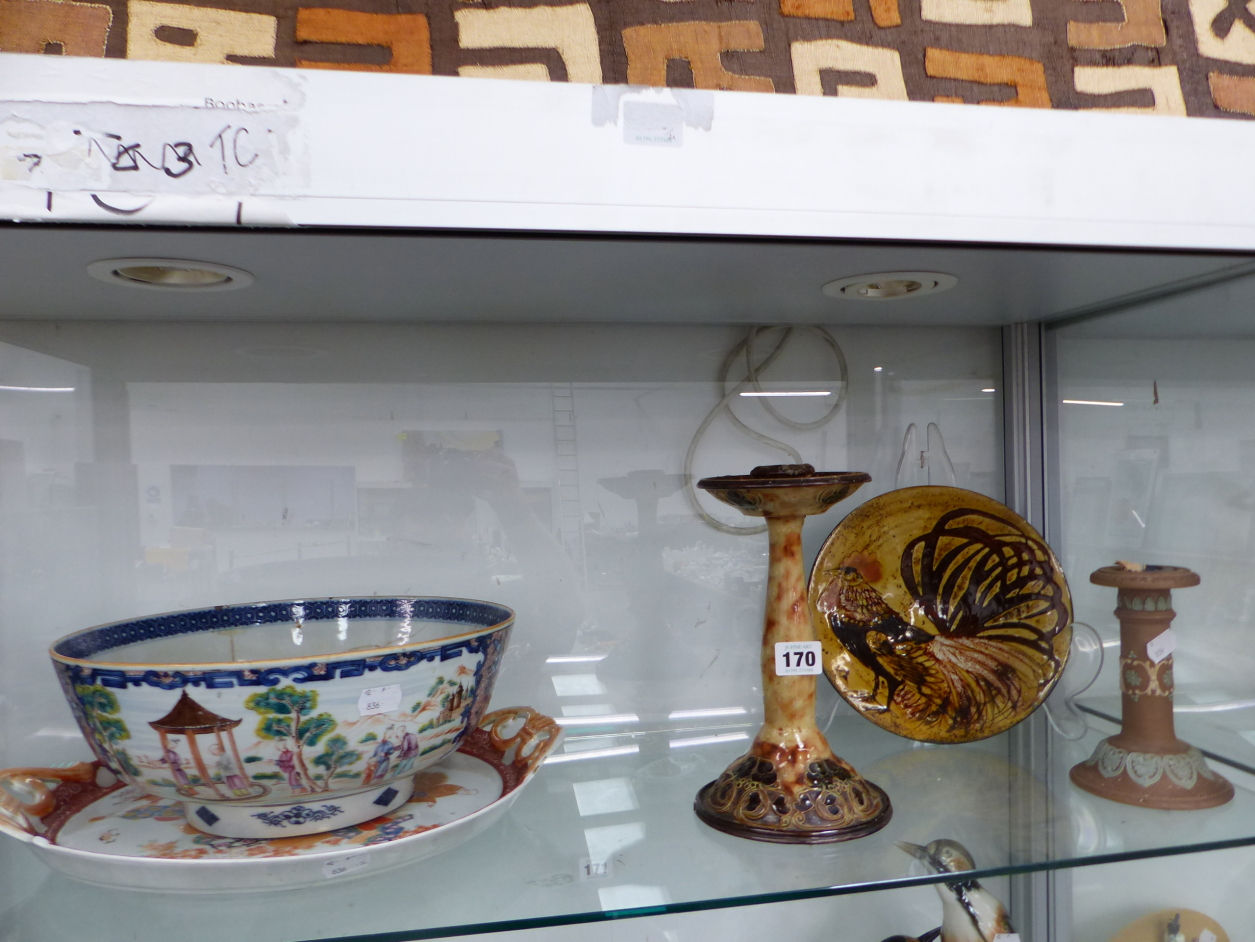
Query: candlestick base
1174,781
765,800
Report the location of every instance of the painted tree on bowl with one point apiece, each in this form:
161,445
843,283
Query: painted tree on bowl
101,707
288,717
335,756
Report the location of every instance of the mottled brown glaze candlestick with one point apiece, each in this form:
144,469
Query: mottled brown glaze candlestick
1145,764
789,788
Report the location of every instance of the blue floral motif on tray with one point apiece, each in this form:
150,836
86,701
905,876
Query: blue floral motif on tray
298,815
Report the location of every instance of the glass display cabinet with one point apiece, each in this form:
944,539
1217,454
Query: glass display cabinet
519,417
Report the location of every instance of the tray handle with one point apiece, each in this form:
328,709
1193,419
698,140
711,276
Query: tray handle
26,795
524,736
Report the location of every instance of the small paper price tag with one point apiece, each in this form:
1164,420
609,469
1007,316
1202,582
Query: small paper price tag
799,657
1207,936
379,700
1160,646
1007,937
657,125
342,865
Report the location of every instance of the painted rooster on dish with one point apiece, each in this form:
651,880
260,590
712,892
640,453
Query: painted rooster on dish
944,615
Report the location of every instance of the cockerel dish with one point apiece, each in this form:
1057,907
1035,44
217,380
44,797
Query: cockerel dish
945,617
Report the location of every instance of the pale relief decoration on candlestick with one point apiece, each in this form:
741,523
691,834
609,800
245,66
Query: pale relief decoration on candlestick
1150,603
1183,769
1142,677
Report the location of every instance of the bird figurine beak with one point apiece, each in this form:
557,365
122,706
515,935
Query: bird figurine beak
921,854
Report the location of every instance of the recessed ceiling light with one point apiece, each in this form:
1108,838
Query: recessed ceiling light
170,274
889,285
989,389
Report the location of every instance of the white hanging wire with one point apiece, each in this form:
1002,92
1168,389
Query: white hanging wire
752,378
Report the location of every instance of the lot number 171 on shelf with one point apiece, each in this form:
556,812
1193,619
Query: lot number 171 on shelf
794,658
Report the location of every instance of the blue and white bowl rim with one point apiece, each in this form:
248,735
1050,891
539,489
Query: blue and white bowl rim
480,617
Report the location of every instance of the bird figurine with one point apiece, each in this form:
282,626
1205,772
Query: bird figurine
975,639
969,912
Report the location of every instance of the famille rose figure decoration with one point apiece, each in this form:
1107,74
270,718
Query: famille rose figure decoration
789,787
284,718
188,721
1145,764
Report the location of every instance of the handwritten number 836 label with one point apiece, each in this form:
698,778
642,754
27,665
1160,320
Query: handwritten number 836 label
379,700
794,658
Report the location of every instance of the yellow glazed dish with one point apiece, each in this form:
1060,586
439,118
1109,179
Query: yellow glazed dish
1156,927
944,615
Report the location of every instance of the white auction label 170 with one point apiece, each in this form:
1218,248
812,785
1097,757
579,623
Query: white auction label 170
795,658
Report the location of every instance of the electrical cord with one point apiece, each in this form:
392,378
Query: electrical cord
753,374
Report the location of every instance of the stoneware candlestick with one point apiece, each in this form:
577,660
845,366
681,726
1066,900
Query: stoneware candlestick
1146,764
789,788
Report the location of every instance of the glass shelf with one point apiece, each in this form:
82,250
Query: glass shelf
622,795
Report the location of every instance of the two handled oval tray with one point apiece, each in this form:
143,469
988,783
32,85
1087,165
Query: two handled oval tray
944,615
85,823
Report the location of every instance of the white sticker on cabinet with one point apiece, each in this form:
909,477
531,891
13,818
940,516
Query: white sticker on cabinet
657,125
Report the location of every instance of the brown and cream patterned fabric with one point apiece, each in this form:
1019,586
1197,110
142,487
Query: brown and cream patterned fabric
1182,57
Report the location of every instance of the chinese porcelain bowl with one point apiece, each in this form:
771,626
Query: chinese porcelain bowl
278,719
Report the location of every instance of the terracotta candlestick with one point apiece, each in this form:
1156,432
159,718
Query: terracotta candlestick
1146,764
789,788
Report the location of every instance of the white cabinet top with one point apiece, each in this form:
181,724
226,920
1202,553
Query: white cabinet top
226,145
